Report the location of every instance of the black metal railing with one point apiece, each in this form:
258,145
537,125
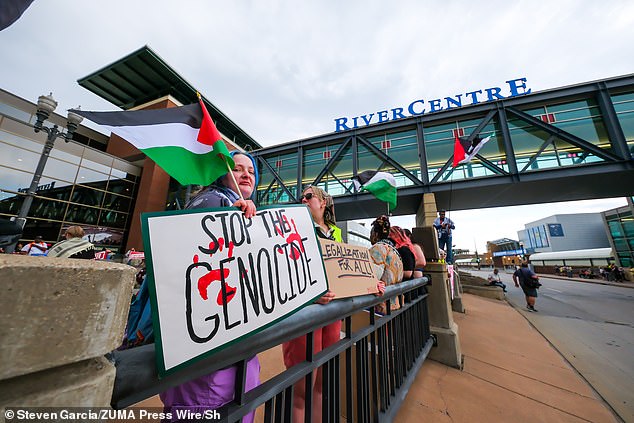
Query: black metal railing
365,375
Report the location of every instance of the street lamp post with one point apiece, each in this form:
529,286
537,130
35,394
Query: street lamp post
45,106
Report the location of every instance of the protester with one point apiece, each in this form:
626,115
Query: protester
445,226
36,248
216,389
421,261
74,246
405,248
321,207
384,254
495,280
442,256
529,282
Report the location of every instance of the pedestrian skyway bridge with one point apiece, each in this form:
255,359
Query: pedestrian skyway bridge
569,143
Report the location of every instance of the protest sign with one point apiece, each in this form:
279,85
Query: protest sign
217,277
349,269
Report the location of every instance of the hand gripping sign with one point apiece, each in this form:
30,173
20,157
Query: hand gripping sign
217,277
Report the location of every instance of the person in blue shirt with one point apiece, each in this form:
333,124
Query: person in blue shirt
445,226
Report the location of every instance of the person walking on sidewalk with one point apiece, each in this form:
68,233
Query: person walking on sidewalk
529,282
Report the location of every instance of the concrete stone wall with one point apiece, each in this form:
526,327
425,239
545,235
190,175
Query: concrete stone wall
58,317
479,286
441,321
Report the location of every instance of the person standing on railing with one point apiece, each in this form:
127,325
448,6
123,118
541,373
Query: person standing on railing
321,207
445,227
216,389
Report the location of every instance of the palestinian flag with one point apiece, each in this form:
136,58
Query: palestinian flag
11,10
380,184
464,151
183,141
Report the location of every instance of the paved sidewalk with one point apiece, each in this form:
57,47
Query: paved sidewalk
511,374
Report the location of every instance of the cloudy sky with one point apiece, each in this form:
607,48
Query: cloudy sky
284,70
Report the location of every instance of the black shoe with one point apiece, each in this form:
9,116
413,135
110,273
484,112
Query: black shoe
531,308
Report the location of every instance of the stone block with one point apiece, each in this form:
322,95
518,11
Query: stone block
494,292
87,383
427,238
439,306
58,311
448,350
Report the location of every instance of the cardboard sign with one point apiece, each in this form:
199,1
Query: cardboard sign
217,277
350,269
136,255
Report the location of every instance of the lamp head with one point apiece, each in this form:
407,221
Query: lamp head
46,104
72,122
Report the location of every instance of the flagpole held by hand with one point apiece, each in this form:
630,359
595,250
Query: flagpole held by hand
233,178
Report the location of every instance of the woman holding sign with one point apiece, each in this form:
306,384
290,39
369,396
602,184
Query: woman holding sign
216,389
321,206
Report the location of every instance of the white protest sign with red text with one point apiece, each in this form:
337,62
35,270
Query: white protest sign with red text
218,277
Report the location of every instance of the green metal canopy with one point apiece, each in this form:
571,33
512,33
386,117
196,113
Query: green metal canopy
142,76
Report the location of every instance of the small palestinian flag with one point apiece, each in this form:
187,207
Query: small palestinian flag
380,184
11,10
464,151
183,141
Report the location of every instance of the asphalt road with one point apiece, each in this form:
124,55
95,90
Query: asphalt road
592,326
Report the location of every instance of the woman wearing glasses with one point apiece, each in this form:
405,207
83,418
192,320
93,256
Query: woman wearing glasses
321,208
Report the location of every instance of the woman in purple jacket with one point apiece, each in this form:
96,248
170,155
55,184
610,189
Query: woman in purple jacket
216,389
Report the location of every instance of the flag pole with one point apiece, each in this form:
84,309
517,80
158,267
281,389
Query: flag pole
224,159
233,178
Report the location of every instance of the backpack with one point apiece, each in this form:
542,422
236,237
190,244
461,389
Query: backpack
527,279
139,330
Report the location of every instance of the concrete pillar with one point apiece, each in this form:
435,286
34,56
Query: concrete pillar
58,317
441,320
427,212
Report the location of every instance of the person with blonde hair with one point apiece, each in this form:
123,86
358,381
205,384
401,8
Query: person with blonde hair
74,246
321,207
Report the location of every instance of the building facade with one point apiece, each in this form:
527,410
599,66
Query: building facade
564,232
619,225
102,183
81,184
505,252
99,182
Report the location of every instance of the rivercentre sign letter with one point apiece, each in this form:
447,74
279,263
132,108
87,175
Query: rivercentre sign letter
219,277
515,87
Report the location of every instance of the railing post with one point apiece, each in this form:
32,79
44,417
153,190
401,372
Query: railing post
456,299
441,320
